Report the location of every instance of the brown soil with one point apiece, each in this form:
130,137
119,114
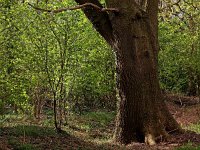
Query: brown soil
186,111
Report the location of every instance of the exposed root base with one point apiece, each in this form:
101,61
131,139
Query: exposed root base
149,139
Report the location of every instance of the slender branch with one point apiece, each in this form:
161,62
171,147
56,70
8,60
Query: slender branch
75,8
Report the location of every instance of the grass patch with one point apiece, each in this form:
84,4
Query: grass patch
26,147
103,118
29,131
188,146
194,127
10,119
19,146
91,120
92,125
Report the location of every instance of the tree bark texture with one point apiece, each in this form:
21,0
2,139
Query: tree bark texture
132,33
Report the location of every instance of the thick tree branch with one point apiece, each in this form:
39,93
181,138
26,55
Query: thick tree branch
141,4
75,8
99,19
152,11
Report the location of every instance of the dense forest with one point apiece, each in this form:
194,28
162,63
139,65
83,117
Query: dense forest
68,68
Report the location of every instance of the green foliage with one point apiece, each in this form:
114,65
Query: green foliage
172,62
13,78
44,54
179,47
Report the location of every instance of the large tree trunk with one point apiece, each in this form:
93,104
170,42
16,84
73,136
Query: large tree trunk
142,113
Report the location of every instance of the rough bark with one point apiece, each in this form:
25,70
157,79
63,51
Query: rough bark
142,113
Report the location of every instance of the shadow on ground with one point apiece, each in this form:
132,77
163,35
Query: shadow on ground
87,132
36,137
40,138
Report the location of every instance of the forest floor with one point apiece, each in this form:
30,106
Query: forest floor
94,130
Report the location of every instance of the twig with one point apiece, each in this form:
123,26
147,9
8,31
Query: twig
75,8
172,130
161,136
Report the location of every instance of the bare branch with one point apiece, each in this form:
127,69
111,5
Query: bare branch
95,12
75,8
